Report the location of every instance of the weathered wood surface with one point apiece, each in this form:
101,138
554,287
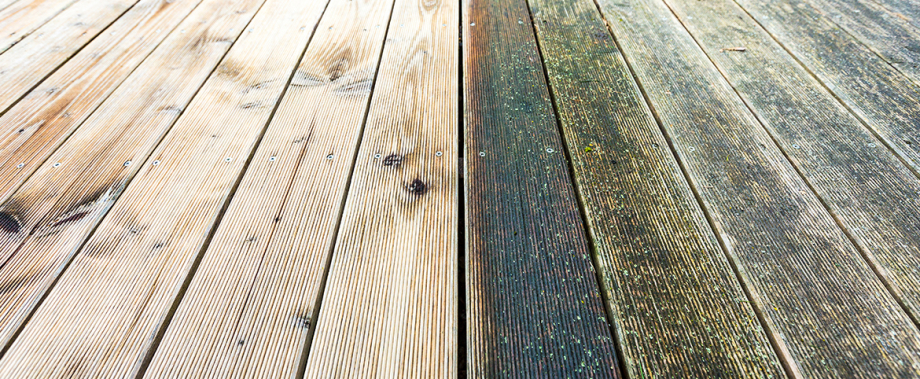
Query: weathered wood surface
37,125
250,307
535,308
868,189
390,303
907,10
891,37
876,92
47,220
139,258
30,61
678,309
816,293
25,16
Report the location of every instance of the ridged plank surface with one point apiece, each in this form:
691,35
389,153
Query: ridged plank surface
678,309
54,212
872,194
390,304
38,124
823,305
535,309
23,66
888,101
250,308
890,36
139,258
24,16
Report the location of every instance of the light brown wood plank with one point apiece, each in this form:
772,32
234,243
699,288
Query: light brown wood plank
54,212
249,309
535,307
30,61
822,303
891,37
25,16
139,258
678,309
886,100
390,303
867,188
42,121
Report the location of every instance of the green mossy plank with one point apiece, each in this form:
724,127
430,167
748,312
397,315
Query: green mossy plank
535,308
823,305
677,307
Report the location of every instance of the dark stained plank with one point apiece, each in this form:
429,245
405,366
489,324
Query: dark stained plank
866,187
886,100
108,308
535,309
822,303
390,304
893,38
55,211
678,309
25,16
41,53
250,309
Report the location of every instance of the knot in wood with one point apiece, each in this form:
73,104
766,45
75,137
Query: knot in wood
417,187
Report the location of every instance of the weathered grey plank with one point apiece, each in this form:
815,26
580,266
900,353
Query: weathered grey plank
867,188
678,309
535,308
822,303
893,38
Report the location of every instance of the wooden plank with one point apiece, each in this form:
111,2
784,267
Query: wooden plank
822,303
678,309
140,257
891,37
30,61
535,308
907,10
867,189
390,303
249,309
55,211
40,122
25,16
880,95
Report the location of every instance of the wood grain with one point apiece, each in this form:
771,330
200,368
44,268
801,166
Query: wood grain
54,212
250,309
37,125
867,188
891,37
390,304
41,53
823,305
886,100
25,16
535,308
907,10
677,307
139,258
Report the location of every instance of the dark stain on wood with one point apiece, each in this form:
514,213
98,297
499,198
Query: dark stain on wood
9,223
71,218
393,160
417,187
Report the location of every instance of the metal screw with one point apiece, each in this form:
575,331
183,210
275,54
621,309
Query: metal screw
21,165
329,156
550,150
271,159
58,164
376,156
156,163
228,159
127,163
482,153
438,154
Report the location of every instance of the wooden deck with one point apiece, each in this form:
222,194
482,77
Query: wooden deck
467,188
